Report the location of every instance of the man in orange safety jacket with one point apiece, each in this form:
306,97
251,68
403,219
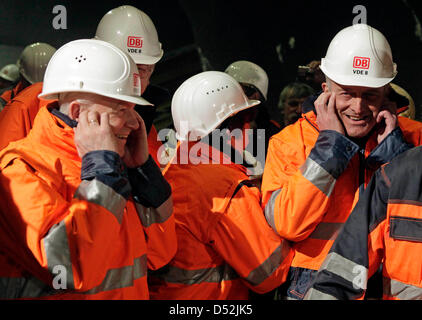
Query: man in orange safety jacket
317,168
84,211
225,246
32,63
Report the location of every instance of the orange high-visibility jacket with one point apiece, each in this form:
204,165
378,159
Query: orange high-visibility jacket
385,227
312,181
73,229
225,246
17,118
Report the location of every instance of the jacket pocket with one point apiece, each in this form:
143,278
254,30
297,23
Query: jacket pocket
404,228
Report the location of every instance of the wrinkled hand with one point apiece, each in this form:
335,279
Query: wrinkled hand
93,132
327,118
386,120
136,149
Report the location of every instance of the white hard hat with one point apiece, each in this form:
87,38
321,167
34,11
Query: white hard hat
93,66
133,32
10,72
250,73
204,101
359,55
33,61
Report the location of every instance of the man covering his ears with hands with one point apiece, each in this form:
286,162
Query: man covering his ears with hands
84,210
317,168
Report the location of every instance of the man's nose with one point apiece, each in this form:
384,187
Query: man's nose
359,105
132,120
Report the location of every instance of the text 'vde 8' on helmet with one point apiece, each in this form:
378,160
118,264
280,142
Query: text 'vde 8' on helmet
93,66
33,61
204,101
359,55
250,73
132,31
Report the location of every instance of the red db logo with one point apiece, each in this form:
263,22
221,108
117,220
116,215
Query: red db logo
361,62
134,42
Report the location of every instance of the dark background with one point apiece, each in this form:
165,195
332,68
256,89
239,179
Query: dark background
278,35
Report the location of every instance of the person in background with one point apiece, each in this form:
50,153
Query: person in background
254,81
9,76
32,64
291,99
318,168
225,246
84,210
138,37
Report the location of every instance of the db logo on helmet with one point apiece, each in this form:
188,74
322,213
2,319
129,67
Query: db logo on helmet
361,62
134,42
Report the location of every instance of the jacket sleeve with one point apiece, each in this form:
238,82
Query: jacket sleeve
393,145
152,195
47,231
296,188
246,242
359,248
15,121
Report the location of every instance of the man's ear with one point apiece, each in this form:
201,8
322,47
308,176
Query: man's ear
74,110
324,87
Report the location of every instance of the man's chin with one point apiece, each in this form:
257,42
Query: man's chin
359,132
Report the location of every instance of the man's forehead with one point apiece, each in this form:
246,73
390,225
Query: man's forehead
359,88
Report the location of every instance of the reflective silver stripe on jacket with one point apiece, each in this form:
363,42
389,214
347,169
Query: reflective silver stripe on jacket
318,176
97,192
122,277
185,276
326,231
401,290
266,269
314,294
347,269
150,216
270,209
57,250
13,288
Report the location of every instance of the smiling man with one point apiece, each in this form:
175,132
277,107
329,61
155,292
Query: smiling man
84,210
317,168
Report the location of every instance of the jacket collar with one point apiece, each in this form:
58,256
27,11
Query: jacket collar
54,129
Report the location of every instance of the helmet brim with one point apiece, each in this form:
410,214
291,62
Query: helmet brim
126,98
249,104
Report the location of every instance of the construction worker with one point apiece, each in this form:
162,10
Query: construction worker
384,228
254,82
9,75
317,168
32,64
84,209
225,245
291,99
138,37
